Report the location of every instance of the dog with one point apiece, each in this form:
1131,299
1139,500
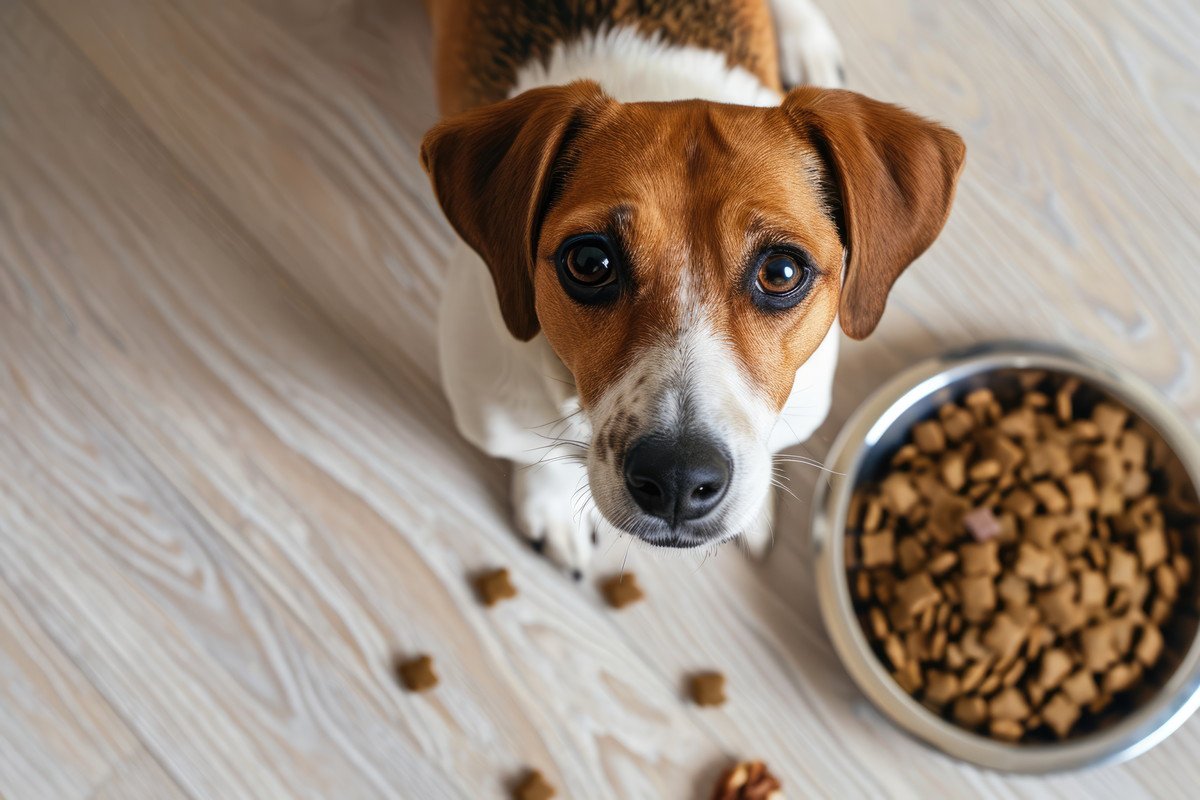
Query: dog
665,210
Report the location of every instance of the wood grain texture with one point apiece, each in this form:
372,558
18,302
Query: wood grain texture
230,489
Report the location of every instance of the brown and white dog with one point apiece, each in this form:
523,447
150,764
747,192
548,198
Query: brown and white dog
658,241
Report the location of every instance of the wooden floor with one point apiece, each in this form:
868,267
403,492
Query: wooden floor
230,490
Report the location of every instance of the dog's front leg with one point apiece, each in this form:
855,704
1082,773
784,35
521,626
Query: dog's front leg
553,510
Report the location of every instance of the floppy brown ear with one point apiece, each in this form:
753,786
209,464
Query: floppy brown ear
895,174
490,170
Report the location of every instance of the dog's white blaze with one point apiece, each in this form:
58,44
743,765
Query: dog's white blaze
689,383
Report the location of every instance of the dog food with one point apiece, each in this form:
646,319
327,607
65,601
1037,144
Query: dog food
494,586
708,689
533,787
417,674
748,780
1016,563
621,590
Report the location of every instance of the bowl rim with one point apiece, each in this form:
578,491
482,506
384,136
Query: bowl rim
1147,725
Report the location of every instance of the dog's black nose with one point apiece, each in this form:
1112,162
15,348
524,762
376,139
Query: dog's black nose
676,480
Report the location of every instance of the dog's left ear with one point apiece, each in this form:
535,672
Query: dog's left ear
491,170
895,175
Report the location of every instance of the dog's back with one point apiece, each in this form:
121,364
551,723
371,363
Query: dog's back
481,44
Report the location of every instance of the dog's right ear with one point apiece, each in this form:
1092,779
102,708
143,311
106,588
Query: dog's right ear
491,167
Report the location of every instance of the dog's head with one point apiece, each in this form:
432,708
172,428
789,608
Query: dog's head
684,260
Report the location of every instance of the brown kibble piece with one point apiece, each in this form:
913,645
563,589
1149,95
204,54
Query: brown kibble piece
1081,488
1060,714
533,787
1120,678
1013,590
1080,687
970,711
622,590
1152,548
417,674
911,554
957,422
1033,564
878,549
1050,496
1006,730
941,687
986,470
494,586
873,516
1110,419
1099,649
1122,567
748,780
708,689
1005,636
898,494
1056,666
1149,646
943,562
978,597
1009,704
980,558
929,437
1093,590
1061,610
893,648
917,593
954,470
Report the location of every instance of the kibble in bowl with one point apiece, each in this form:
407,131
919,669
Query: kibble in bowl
1005,562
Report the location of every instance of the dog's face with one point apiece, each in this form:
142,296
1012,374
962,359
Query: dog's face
684,260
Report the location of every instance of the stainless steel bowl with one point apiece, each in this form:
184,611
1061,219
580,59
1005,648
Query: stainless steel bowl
861,451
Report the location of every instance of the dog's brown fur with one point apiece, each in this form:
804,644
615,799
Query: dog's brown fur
480,44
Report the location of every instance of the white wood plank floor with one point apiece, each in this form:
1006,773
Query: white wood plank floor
230,490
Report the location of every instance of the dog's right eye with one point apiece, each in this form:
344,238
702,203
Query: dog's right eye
588,268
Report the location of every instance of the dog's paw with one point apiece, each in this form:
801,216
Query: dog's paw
809,51
552,509
758,538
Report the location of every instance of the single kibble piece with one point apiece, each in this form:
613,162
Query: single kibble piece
1110,419
1150,646
708,689
1033,564
898,493
1122,567
1099,648
1061,714
917,593
970,711
1009,704
1006,730
878,549
1080,687
980,558
941,687
417,674
622,590
1081,488
533,787
982,524
748,780
1152,547
978,597
986,470
1056,666
495,586
1093,590
930,437
1050,496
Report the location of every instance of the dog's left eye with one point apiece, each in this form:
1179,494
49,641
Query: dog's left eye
780,274
780,279
589,268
